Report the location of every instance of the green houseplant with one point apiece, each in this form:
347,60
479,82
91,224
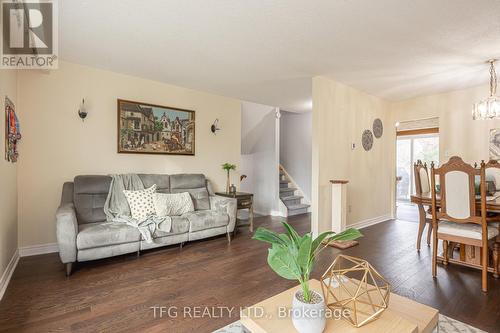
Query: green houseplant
292,257
228,167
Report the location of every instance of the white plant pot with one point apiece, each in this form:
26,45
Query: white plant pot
308,318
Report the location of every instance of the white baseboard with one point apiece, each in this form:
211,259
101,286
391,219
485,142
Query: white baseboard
277,213
34,250
7,274
370,222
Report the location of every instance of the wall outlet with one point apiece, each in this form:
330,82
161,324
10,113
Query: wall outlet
353,146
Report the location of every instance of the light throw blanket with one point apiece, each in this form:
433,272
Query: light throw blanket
117,208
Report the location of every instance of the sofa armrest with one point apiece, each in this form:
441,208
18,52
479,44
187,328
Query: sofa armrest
66,231
227,206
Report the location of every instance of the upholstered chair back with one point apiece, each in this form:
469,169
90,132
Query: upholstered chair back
493,173
422,184
458,195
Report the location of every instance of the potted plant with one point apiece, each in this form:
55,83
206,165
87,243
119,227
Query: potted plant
228,167
292,257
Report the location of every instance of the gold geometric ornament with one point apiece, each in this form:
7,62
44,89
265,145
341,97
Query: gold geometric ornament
354,287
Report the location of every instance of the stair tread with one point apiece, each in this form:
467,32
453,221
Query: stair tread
299,206
287,189
292,197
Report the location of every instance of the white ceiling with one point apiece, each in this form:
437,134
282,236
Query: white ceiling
267,51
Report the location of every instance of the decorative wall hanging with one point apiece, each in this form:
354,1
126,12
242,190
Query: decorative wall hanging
353,284
367,140
378,128
495,144
154,129
12,132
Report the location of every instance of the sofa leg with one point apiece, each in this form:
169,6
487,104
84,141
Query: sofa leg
69,267
229,237
138,253
181,245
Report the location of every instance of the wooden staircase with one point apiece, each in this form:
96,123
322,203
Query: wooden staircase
289,196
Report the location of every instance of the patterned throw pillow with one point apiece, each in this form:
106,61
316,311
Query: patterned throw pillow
172,204
141,202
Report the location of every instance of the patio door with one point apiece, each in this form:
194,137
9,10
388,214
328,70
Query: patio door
409,149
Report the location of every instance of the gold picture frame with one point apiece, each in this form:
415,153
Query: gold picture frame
145,128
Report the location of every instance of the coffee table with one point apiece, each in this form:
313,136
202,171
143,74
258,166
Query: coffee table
402,316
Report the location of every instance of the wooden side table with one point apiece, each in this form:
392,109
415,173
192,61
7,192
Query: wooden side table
244,201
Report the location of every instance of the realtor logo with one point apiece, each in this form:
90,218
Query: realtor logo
29,34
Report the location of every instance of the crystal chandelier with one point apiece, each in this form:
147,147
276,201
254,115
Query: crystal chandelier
488,108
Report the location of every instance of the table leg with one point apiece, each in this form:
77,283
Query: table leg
251,217
496,258
235,224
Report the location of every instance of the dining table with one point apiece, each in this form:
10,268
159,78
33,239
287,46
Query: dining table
469,256
492,203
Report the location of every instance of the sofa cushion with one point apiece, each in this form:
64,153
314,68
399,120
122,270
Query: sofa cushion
206,219
172,204
180,225
89,195
162,182
104,234
195,184
141,203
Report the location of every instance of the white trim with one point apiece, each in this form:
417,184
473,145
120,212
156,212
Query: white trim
7,274
277,213
283,211
305,199
34,250
370,222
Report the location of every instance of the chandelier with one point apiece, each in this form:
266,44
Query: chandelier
488,108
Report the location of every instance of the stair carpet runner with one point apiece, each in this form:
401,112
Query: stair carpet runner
292,202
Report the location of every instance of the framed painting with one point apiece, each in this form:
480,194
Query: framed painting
154,129
495,144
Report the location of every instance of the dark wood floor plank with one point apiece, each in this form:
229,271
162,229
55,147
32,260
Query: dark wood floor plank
116,294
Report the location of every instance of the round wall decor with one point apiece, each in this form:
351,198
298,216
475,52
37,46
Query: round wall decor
367,140
378,128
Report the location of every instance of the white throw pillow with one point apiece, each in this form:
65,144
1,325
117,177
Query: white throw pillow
172,204
141,202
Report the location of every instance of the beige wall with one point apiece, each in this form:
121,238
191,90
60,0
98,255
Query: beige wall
459,134
340,115
8,178
57,145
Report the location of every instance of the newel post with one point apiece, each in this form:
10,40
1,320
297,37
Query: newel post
339,205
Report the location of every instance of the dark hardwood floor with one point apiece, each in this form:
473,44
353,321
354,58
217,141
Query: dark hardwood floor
116,294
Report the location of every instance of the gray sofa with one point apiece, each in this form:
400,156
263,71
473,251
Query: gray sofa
83,233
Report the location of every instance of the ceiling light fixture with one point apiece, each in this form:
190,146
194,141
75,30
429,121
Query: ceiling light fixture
488,108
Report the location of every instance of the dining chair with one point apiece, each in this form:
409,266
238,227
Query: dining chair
422,186
458,220
492,171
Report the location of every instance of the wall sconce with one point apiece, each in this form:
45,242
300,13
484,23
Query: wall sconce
214,128
82,112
